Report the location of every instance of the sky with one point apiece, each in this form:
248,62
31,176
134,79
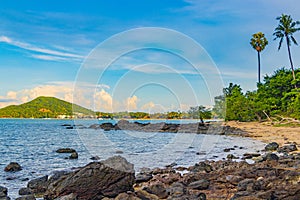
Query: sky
138,55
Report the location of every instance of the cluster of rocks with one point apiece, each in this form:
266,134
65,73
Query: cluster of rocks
274,175
199,128
73,152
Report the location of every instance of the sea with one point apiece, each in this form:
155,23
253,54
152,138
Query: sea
33,144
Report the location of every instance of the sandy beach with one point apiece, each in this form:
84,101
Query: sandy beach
268,133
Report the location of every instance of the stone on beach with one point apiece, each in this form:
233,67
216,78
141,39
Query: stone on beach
96,180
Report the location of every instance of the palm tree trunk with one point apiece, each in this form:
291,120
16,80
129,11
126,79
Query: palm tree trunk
290,57
258,56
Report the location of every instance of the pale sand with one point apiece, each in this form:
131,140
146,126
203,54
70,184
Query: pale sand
268,133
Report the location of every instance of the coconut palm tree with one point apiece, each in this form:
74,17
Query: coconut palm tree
285,30
258,42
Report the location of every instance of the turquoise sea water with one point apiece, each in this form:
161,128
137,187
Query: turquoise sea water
32,143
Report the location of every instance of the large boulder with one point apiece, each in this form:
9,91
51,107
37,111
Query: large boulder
13,167
38,185
273,146
95,181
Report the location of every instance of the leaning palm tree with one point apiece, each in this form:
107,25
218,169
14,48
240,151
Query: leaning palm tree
285,29
258,42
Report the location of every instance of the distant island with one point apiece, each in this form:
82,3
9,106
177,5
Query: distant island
46,107
51,107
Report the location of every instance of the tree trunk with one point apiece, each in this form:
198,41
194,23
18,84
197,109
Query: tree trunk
258,56
290,57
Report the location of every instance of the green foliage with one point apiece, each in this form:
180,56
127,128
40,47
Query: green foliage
285,30
258,41
199,112
139,115
174,115
44,107
276,96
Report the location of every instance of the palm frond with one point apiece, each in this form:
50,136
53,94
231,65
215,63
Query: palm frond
280,42
294,40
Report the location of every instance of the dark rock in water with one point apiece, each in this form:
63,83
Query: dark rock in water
199,185
95,181
227,150
107,126
26,197
25,179
74,155
172,165
24,191
95,158
119,152
273,146
38,185
158,190
65,150
271,156
69,127
3,191
13,167
10,178
231,156
287,148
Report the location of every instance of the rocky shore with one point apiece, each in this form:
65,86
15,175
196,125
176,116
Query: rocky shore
216,128
274,175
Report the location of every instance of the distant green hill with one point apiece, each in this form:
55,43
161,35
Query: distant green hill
44,107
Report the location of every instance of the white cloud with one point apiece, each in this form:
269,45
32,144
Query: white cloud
131,103
53,55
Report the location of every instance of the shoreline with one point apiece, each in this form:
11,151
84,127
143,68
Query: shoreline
268,133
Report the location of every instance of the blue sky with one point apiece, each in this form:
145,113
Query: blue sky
43,48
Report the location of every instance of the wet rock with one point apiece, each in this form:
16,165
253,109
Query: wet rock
273,146
158,190
95,158
199,185
38,185
65,150
287,148
107,126
3,192
74,155
24,191
202,166
57,175
26,197
172,165
13,167
231,156
95,181
139,178
119,152
271,156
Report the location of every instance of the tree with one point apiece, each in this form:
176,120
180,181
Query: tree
285,29
199,112
259,42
